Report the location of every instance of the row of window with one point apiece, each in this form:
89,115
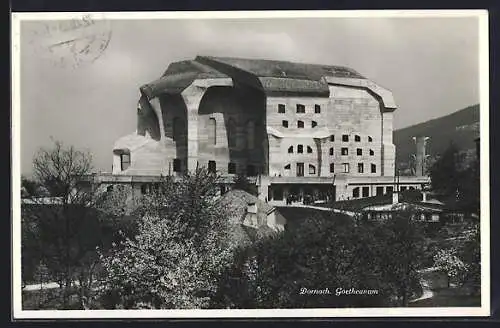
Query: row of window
346,168
365,191
300,109
345,138
344,150
300,124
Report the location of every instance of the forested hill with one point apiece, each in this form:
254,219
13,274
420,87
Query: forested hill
461,127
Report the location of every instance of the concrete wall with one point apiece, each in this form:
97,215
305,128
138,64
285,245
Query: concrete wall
238,116
354,111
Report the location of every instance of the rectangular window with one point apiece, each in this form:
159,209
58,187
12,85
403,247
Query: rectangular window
212,167
300,169
389,190
301,108
332,138
355,192
317,109
284,124
331,151
300,124
344,151
177,165
366,191
403,188
300,149
125,161
309,150
345,138
380,191
359,152
357,138
231,168
332,168
361,167
374,168
345,167
281,108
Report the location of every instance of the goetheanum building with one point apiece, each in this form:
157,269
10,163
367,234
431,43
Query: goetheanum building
297,128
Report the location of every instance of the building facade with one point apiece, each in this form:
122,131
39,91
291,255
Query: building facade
299,129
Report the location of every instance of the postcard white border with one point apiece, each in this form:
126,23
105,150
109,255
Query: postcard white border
484,310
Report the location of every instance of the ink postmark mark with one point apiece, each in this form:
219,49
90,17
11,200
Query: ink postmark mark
73,42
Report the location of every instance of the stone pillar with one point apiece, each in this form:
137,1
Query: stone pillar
192,96
155,105
388,150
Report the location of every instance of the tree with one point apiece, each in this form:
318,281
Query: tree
29,187
448,262
179,250
63,231
327,252
444,173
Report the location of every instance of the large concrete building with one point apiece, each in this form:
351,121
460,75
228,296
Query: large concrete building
298,128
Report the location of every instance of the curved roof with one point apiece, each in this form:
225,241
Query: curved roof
270,76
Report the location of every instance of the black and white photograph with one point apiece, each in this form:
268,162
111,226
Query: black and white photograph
250,164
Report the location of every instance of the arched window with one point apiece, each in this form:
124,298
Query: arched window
357,138
251,134
212,131
231,133
300,124
372,152
332,167
370,139
312,169
331,151
290,150
309,150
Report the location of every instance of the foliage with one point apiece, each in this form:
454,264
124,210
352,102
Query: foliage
444,172
451,264
470,253
63,231
335,252
180,249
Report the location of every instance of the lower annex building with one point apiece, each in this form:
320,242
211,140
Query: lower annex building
298,129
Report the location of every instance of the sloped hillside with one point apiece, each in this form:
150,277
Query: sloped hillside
461,127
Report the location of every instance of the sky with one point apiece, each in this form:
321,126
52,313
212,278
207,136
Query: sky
430,64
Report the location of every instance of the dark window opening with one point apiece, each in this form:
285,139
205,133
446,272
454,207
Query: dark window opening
366,191
317,109
380,191
312,169
357,138
288,167
344,151
109,188
284,124
212,166
177,165
290,150
125,161
403,188
231,168
300,169
300,124
359,152
372,152
355,192
389,190
300,149
374,168
370,139
144,189
345,138
331,151
309,150
281,108
332,138
301,108
314,124
361,167
332,167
